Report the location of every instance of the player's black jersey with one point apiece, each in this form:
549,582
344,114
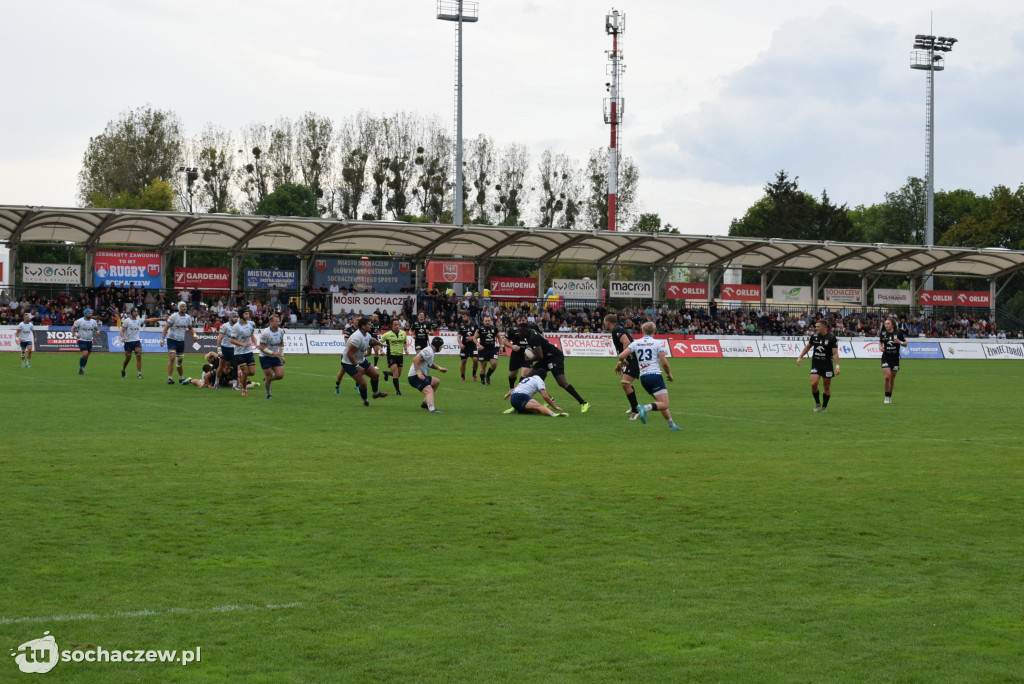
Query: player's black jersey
375,330
617,332
890,342
488,336
538,340
822,346
466,332
421,333
349,329
513,336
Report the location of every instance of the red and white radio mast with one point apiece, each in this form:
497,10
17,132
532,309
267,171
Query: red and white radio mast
614,25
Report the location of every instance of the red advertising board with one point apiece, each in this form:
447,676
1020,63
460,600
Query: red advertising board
514,288
682,347
973,298
451,272
741,293
686,291
936,297
123,269
202,278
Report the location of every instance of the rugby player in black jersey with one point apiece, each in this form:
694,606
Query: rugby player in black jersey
629,370
515,344
891,339
550,358
486,341
467,348
375,334
826,350
421,328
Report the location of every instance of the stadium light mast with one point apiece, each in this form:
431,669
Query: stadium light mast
924,58
459,11
614,25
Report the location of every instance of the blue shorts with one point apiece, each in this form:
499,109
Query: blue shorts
25,345
354,370
227,353
520,400
654,383
176,346
270,362
129,347
245,359
415,381
84,346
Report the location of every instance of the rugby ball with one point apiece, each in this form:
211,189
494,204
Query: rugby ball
529,354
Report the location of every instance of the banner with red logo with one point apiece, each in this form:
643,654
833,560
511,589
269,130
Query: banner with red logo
973,298
202,278
741,293
936,297
686,291
587,344
124,269
513,288
681,347
451,272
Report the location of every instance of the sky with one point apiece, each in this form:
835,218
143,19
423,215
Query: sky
719,96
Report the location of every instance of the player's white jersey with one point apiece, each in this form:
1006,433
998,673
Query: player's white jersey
225,331
131,328
179,324
25,331
242,331
86,328
427,356
361,342
647,349
529,386
274,341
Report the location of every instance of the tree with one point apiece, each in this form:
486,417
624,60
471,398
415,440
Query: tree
998,222
560,187
789,213
142,144
903,214
254,174
289,199
216,160
597,186
512,191
435,168
156,196
651,223
315,147
354,141
479,177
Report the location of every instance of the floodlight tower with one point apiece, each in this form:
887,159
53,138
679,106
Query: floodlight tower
459,11
614,25
924,58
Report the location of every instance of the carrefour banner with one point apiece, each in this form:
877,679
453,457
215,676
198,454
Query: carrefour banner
799,294
364,274
266,279
123,269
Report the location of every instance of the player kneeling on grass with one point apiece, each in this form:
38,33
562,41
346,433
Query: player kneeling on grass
650,354
523,401
272,353
419,374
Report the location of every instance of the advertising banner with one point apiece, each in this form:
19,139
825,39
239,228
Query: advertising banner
295,343
883,296
1007,351
123,269
741,293
368,303
686,291
53,274
631,289
326,344
780,349
587,344
921,350
844,295
266,279
60,339
202,278
963,350
9,340
936,297
867,348
451,272
575,289
693,349
513,288
383,275
738,349
150,342
973,298
788,294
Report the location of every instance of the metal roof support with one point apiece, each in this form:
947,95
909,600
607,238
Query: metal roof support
553,254
249,235
22,226
670,258
501,244
838,260
1003,286
992,300
176,233
803,250
724,261
913,295
94,239
876,268
764,289
930,268
614,254
430,246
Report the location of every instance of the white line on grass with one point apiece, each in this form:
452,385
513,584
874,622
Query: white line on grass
149,613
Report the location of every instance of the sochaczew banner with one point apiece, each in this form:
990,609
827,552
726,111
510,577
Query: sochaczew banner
843,295
368,303
587,344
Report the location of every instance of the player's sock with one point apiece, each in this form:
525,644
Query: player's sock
824,402
817,397
81,362
395,380
375,384
632,401
362,393
490,372
574,394
650,407
888,395
511,382
430,406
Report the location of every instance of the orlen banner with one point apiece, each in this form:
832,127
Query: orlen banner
741,293
451,272
514,288
936,297
883,296
973,298
631,289
383,275
368,303
587,344
575,289
202,278
694,349
686,291
54,274
798,294
123,269
844,295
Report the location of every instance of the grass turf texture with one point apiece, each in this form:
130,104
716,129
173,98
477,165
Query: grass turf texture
763,543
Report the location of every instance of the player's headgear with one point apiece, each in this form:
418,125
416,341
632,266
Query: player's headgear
182,304
437,342
233,314
87,312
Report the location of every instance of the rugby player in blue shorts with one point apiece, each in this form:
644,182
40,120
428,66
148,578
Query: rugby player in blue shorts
272,353
178,323
419,374
84,330
650,355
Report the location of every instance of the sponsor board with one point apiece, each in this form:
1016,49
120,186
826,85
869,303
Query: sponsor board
326,344
150,342
693,349
631,289
963,350
800,294
936,297
9,340
1009,351
973,298
780,348
587,344
202,278
844,295
123,269
575,289
368,303
686,291
451,272
256,279
53,274
61,339
741,293
503,288
921,350
738,349
883,296
295,343
385,275
867,348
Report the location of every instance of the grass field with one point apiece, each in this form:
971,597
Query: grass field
307,539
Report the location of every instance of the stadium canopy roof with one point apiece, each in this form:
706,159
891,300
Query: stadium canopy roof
109,228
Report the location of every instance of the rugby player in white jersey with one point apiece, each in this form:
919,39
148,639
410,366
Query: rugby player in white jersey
242,336
522,396
355,363
650,354
227,350
26,339
419,374
84,330
131,333
178,323
272,353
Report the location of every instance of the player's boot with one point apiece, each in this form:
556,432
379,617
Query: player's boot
483,381
633,416
140,376
245,393
436,411
584,407
817,407
888,400
81,371
170,381
824,409
424,405
122,372
674,427
509,410
642,412
186,381
337,389
379,395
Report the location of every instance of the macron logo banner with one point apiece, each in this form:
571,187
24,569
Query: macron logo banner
631,289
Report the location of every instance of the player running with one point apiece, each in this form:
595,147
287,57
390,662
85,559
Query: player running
516,345
523,401
628,370
550,359
394,343
26,339
131,333
826,350
272,353
891,339
357,365
467,350
421,331
227,350
486,341
651,357
178,323
84,330
419,374
375,334
243,339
